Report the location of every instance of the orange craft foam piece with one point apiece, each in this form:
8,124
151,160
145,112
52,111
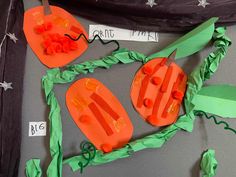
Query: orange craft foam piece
99,114
45,35
158,90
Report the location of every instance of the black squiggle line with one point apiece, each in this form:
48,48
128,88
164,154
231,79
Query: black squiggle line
91,41
88,153
226,125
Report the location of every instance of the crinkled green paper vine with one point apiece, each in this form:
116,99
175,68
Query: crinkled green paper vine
203,72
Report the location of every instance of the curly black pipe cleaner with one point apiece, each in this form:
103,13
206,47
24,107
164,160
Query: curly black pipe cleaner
226,125
91,41
88,153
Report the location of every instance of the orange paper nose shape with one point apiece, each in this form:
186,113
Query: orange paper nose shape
45,35
99,114
158,93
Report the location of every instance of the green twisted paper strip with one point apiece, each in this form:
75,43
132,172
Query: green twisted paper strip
55,76
208,163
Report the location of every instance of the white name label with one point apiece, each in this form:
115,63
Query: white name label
113,33
37,128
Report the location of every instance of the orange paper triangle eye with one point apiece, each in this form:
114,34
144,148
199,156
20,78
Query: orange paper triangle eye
99,114
45,35
157,91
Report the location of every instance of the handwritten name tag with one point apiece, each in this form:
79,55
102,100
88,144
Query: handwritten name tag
37,128
113,33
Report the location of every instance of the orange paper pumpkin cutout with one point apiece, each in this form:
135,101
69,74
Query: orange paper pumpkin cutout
45,35
157,91
99,114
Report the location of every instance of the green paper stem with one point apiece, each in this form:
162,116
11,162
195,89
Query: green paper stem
208,163
156,140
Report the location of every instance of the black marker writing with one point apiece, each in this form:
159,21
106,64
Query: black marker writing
36,128
151,36
106,33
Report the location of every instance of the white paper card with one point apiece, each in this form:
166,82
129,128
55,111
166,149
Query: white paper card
37,128
113,33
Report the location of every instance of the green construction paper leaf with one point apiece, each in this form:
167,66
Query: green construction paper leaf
208,164
190,43
217,99
33,168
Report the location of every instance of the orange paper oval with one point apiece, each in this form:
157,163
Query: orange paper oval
157,91
99,114
37,28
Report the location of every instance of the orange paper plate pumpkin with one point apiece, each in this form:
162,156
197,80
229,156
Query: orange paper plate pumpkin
45,35
157,91
99,114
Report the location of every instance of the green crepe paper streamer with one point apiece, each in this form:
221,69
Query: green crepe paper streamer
217,99
191,42
156,140
209,163
54,76
204,72
33,168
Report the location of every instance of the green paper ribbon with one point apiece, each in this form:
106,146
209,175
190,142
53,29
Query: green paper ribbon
156,140
208,164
